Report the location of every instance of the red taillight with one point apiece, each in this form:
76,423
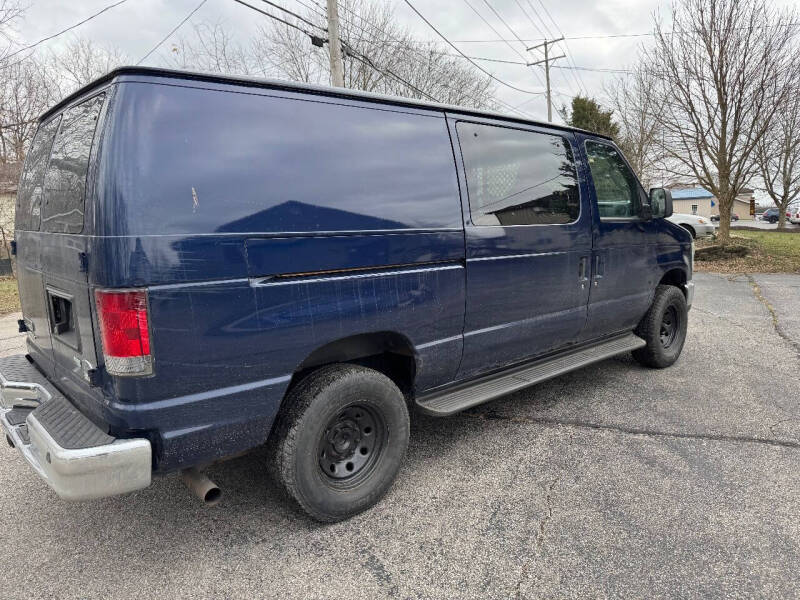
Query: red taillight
125,331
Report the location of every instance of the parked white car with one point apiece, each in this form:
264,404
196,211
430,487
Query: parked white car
795,216
697,226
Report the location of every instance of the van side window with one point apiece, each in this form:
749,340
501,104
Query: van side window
65,178
615,185
276,165
29,198
517,177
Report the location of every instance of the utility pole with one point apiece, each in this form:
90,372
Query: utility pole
335,47
546,60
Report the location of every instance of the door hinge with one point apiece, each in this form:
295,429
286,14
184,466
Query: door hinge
13,247
83,258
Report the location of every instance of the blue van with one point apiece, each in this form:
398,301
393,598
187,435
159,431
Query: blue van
208,264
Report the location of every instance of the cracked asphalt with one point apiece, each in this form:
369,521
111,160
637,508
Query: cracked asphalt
614,481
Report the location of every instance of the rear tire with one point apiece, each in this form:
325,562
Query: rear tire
340,440
663,328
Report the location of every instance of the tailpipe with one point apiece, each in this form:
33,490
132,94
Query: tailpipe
201,486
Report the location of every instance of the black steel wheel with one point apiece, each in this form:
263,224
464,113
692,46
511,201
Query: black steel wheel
351,444
670,325
339,440
663,328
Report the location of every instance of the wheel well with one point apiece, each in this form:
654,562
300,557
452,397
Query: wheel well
386,351
689,228
676,277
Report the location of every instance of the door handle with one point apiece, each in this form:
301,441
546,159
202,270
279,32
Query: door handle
599,267
582,266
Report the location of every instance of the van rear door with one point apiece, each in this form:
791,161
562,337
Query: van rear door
53,251
29,259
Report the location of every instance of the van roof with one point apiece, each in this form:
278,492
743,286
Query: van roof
320,90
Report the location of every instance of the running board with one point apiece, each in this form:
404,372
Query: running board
487,388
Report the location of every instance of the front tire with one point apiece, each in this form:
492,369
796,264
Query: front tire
337,446
663,328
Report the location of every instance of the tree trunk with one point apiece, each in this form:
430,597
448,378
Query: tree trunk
782,218
8,251
724,233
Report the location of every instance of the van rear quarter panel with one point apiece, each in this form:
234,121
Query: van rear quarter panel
267,224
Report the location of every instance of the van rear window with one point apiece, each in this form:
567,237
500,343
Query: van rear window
65,178
29,197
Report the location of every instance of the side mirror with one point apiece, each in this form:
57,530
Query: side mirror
660,203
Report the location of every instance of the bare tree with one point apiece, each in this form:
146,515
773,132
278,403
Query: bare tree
722,71
637,106
380,56
82,61
26,90
211,48
778,157
10,13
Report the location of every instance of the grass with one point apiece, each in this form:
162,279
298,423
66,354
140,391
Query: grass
770,252
9,297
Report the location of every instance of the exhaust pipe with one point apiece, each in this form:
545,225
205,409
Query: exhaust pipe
201,486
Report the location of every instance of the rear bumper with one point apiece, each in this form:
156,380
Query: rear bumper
74,456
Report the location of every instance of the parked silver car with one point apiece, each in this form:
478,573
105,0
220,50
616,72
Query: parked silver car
697,226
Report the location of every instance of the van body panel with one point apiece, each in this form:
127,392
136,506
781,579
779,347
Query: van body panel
338,253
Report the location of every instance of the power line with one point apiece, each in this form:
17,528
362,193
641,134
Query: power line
358,56
503,21
598,70
482,18
608,35
169,35
271,16
576,75
411,48
473,63
294,14
312,9
548,34
63,31
386,71
525,12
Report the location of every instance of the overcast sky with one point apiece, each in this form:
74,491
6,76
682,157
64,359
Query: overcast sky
137,25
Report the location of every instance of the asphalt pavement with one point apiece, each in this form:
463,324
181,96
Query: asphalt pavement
613,481
761,225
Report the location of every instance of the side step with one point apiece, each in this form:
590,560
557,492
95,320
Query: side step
487,388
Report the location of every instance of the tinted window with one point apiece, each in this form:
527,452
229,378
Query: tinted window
241,162
65,178
615,185
518,177
29,197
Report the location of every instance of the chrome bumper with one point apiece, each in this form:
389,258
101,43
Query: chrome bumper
688,288
80,471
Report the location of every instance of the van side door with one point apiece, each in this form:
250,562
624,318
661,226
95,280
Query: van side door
625,267
528,242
